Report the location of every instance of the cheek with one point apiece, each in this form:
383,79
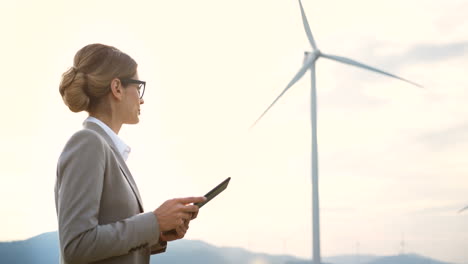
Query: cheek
137,97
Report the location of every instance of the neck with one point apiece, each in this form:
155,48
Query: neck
106,111
109,121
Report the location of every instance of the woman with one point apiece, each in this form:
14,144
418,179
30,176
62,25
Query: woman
99,209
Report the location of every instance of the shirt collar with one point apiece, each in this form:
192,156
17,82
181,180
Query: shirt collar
123,148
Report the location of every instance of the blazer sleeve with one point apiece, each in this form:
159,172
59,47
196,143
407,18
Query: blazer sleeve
80,178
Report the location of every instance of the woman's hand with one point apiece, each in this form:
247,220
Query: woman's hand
175,214
174,234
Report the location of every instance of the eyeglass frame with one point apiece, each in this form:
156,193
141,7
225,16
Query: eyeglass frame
141,85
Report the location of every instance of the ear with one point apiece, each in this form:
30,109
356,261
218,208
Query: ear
116,89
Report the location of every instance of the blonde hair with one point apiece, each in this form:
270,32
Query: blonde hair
94,66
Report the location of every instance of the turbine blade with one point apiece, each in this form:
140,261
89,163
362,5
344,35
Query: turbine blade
307,28
298,76
361,65
463,209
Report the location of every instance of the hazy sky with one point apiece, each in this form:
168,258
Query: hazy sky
393,158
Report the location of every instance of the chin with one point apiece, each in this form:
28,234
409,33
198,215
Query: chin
133,121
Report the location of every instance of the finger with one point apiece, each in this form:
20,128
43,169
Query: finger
194,215
179,222
188,200
190,208
185,216
183,228
181,231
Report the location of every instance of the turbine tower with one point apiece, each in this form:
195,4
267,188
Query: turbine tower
309,64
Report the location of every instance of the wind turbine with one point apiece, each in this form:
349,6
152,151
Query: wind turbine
309,63
463,209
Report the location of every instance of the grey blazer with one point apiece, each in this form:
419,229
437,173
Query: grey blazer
99,209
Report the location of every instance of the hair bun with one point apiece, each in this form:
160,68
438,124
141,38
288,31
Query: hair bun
85,86
73,90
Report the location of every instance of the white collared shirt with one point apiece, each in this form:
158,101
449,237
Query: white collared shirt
123,148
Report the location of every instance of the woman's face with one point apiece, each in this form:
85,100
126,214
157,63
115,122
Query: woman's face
131,103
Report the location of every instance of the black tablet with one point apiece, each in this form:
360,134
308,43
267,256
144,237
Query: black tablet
216,190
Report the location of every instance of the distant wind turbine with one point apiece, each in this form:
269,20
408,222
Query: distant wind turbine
309,63
463,209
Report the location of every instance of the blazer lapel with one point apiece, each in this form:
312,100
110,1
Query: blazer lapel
120,160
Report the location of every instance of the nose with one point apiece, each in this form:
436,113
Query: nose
142,101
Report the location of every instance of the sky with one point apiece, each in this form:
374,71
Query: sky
392,157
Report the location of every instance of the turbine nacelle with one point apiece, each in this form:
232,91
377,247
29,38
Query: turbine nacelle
311,56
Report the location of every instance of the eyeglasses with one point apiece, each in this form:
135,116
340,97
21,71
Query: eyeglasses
141,85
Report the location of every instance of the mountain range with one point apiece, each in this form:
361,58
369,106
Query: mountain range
43,249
